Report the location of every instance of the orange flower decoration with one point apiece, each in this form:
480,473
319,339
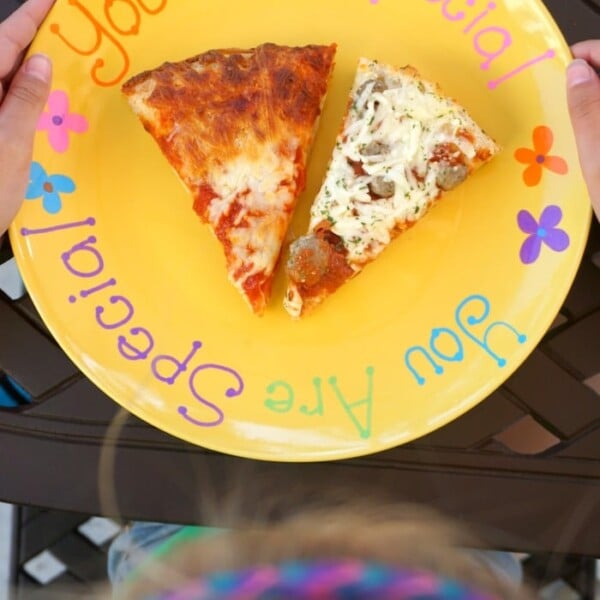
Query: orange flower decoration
538,158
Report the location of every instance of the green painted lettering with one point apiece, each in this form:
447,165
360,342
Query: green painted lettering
283,405
318,409
360,412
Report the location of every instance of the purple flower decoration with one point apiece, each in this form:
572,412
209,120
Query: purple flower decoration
544,232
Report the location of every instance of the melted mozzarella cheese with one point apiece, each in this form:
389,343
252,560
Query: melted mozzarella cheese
408,119
262,187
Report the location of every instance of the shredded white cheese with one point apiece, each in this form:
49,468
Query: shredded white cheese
260,185
406,118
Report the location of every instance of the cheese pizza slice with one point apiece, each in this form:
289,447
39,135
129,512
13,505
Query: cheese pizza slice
237,127
402,145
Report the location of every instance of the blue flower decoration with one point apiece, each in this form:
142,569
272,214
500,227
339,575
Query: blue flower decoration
48,187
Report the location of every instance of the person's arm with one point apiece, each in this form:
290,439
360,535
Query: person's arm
583,95
24,89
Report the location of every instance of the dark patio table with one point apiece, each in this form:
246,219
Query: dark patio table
50,449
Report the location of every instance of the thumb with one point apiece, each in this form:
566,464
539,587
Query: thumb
24,101
583,96
19,114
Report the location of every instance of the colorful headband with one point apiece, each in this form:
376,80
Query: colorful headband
324,580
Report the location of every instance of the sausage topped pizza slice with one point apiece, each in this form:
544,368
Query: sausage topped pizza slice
237,127
402,145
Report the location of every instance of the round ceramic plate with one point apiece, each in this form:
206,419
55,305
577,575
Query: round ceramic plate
134,287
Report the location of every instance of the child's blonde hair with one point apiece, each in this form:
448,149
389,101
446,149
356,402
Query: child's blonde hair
396,536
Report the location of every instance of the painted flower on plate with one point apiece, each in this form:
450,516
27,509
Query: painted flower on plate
542,232
59,122
48,187
539,158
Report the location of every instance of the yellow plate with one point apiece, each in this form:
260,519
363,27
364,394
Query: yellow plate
133,286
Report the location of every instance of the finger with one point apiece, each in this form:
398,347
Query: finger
26,98
588,51
19,114
18,31
583,95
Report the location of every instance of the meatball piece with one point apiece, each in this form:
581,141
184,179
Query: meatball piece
379,86
382,188
450,176
375,148
308,260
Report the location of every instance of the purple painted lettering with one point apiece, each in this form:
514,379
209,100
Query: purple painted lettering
131,352
26,231
180,366
231,392
129,312
97,288
84,260
84,252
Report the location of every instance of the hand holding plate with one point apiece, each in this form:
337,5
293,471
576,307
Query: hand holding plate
23,93
583,94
